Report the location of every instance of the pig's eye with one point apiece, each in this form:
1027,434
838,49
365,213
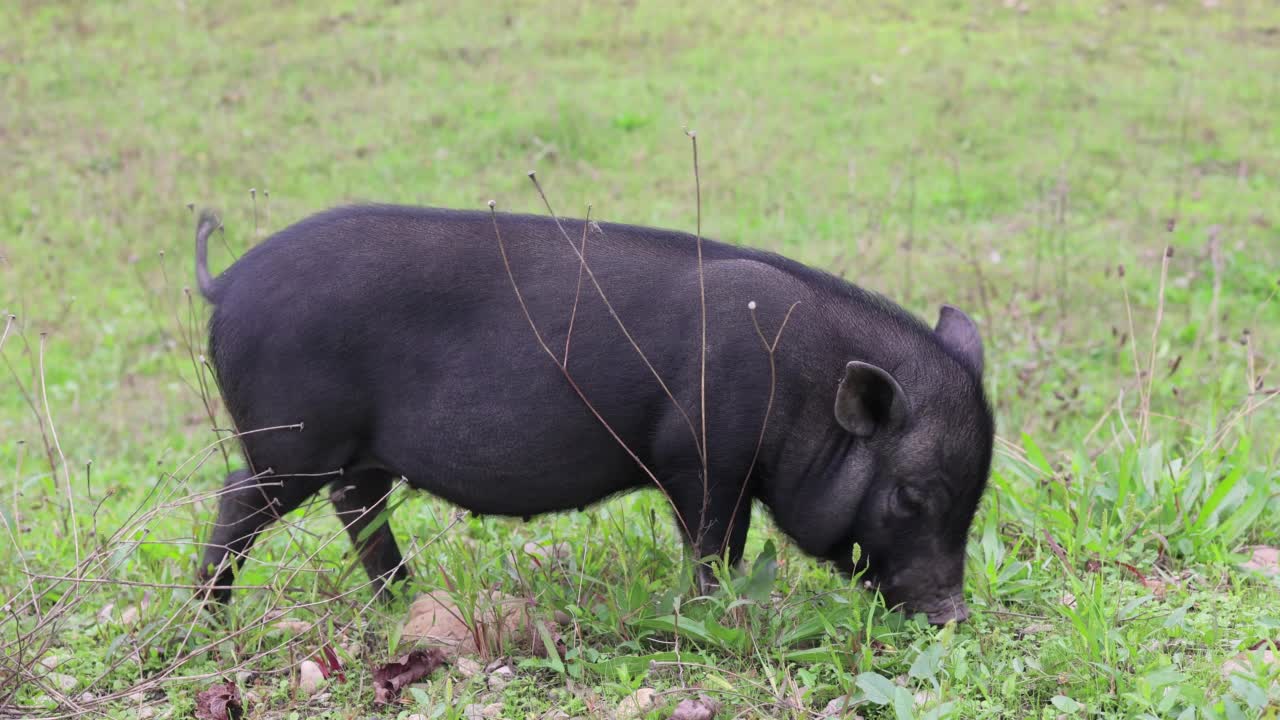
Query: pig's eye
908,500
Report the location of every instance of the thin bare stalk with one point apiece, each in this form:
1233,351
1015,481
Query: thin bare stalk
502,248
702,346
1155,337
613,313
1133,342
577,293
62,459
8,323
200,365
771,350
35,409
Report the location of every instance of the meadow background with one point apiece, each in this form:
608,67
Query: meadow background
1095,182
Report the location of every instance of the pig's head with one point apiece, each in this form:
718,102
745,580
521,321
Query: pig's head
922,457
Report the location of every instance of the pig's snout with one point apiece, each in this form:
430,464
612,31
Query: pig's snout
939,596
953,609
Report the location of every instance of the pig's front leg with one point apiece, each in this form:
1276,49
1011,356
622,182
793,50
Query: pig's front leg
713,520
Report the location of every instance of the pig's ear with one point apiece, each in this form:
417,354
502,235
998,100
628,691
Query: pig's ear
959,335
869,399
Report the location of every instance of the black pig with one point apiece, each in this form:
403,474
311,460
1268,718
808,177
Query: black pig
394,339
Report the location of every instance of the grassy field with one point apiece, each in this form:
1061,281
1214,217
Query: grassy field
1027,161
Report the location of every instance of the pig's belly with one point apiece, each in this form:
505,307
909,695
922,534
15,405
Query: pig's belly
499,462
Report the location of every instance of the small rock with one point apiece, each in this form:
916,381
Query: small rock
65,683
467,667
137,698
703,708
836,710
309,677
419,716
636,704
146,713
470,712
245,677
1263,559
492,710
502,621
556,715
86,697
1034,629
295,627
499,678
322,697
354,649
251,698
562,618
52,661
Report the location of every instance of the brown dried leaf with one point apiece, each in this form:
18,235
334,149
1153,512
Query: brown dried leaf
704,708
220,702
389,678
1243,662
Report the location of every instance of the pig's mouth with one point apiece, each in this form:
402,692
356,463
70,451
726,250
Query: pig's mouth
939,609
951,609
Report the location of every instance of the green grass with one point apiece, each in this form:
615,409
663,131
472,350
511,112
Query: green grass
1004,161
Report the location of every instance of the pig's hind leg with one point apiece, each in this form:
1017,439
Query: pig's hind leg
246,506
360,498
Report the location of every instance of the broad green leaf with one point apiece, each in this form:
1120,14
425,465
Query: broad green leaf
1065,704
927,663
878,688
764,572
904,705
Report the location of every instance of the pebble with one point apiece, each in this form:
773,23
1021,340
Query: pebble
467,667
65,683
309,677
499,678
636,704
835,710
